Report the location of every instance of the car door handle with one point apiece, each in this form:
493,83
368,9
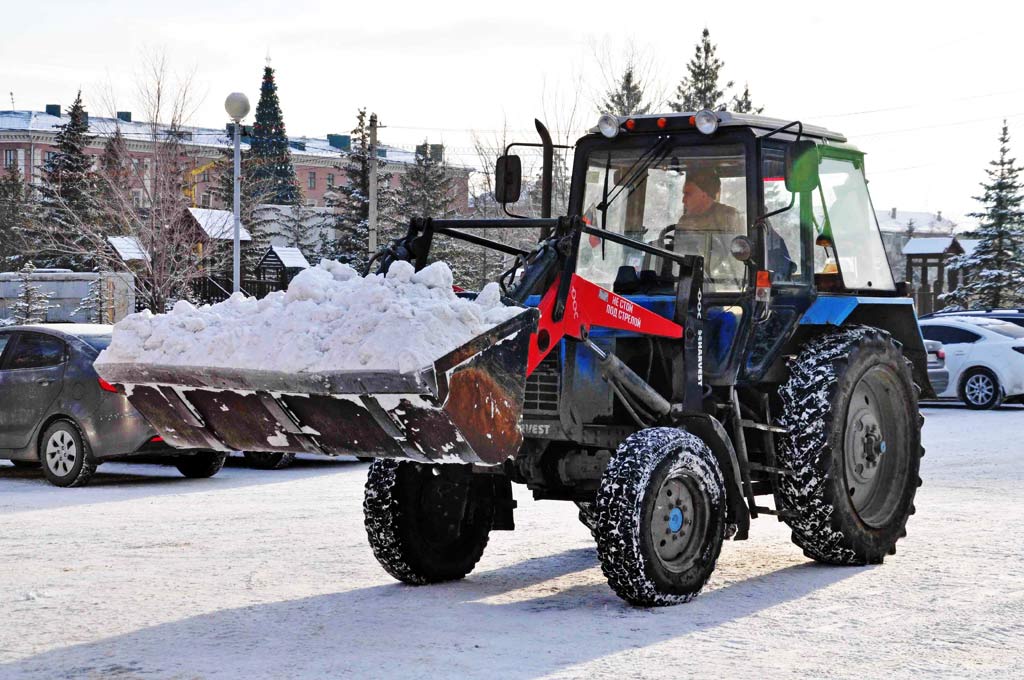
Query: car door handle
44,381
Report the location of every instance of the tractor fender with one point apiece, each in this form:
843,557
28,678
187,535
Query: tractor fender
895,315
713,433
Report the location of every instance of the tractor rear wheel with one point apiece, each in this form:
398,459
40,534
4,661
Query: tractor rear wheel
660,517
853,446
427,523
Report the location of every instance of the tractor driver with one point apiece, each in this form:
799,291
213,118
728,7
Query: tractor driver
707,227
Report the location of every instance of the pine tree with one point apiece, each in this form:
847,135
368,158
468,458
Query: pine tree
628,98
32,304
993,275
13,218
427,189
699,90
351,200
97,303
68,192
743,104
271,161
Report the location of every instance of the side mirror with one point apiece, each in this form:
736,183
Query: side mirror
801,166
508,179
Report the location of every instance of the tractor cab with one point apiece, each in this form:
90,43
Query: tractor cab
778,211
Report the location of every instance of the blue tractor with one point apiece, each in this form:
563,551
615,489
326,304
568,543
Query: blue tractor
713,334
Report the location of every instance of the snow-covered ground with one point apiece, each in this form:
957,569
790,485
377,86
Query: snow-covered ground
257,574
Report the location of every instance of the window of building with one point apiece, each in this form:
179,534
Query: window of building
330,179
10,158
204,201
204,176
312,180
50,156
137,199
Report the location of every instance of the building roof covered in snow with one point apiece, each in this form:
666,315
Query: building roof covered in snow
218,224
128,248
290,257
940,245
919,222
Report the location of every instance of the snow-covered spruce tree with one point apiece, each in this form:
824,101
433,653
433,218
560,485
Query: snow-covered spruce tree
96,305
13,218
628,99
349,240
700,88
32,303
69,188
270,160
993,275
742,103
427,189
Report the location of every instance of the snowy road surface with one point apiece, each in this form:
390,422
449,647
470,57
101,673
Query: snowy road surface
255,574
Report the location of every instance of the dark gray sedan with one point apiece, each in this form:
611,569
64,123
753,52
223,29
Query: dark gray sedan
56,412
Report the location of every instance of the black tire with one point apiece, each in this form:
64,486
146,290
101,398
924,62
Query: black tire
26,464
854,446
661,482
202,464
980,389
267,460
65,455
427,523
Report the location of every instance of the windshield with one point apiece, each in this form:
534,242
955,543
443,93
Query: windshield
688,199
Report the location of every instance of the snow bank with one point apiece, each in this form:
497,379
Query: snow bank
329,319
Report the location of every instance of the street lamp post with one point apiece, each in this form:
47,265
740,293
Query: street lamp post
237,106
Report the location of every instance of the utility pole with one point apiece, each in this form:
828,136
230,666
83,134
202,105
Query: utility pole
373,185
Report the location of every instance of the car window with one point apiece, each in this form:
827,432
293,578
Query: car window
4,339
97,342
1003,328
35,350
948,335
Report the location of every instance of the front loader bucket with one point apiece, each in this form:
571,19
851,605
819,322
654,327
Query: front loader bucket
464,408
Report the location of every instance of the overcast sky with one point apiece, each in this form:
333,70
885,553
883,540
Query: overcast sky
923,90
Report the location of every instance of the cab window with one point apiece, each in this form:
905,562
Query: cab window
691,200
35,350
842,210
4,340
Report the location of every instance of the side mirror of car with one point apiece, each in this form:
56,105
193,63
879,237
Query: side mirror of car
801,166
508,179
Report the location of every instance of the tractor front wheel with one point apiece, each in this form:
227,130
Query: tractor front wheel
427,523
660,517
853,446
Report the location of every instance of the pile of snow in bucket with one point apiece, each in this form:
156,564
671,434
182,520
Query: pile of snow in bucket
329,319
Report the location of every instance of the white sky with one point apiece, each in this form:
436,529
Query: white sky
922,89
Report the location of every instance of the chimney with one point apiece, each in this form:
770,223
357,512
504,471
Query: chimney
53,110
341,142
124,116
892,213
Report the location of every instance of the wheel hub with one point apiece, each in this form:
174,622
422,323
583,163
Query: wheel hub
677,523
979,389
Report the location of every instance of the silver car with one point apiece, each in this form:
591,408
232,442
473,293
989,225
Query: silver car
938,375
55,411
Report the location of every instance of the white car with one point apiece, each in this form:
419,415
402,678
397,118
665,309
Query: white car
984,357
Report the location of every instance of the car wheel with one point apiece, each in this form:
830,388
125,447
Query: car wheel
980,389
202,464
66,457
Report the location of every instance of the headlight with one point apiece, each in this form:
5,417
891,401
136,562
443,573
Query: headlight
706,121
608,125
